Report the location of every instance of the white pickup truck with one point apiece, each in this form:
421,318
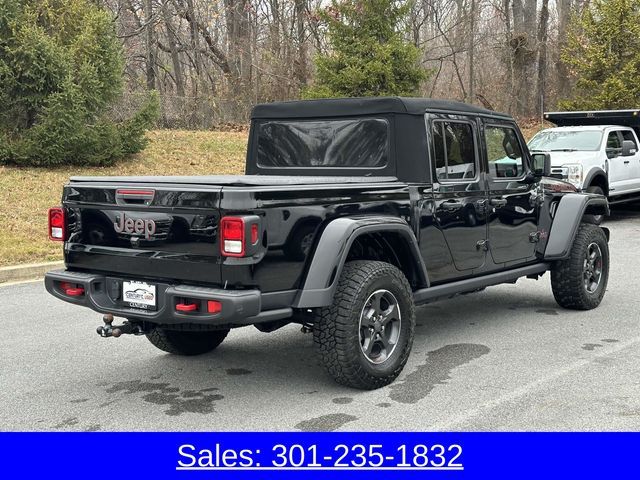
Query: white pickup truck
596,151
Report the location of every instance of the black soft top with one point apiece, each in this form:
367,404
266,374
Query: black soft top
340,107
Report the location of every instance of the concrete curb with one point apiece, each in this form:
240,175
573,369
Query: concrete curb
27,272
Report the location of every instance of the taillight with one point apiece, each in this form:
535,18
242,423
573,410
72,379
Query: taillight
57,225
232,236
240,235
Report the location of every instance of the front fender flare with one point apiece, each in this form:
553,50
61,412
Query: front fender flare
333,248
566,222
593,173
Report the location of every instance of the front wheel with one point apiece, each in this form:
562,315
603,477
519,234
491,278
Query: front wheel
579,282
365,336
181,342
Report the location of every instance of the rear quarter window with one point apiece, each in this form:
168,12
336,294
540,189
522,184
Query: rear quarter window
454,150
330,143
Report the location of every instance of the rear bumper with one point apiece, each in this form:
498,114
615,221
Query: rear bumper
102,293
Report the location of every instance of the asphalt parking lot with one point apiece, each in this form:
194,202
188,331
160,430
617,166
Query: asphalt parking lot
507,358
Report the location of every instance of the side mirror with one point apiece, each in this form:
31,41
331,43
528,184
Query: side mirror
541,164
628,148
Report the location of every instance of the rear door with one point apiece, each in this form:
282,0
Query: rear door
621,169
458,189
634,160
513,209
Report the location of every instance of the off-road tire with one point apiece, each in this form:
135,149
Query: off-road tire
336,332
186,342
567,276
594,219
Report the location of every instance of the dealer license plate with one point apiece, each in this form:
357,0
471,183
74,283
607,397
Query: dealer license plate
139,294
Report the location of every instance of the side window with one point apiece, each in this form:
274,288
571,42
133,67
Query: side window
453,150
614,147
628,135
503,152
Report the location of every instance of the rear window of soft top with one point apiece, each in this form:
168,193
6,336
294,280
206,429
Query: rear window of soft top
327,143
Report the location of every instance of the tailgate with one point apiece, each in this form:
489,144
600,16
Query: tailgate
165,231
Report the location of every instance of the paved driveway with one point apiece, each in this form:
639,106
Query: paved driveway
507,358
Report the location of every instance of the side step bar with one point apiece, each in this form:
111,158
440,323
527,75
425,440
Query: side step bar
431,294
625,198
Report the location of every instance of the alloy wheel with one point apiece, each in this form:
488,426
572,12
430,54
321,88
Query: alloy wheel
380,323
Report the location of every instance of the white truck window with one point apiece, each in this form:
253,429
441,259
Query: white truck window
566,140
628,135
614,145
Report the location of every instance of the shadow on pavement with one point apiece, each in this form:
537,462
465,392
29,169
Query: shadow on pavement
624,211
268,360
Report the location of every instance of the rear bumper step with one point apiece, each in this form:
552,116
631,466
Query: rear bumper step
103,294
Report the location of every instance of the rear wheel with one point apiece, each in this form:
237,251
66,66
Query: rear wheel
186,342
580,281
365,336
594,219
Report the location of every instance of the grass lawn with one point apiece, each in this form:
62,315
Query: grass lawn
27,193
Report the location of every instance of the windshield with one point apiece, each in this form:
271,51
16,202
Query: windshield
566,140
354,143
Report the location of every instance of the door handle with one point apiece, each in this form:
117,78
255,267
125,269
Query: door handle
626,162
498,202
451,205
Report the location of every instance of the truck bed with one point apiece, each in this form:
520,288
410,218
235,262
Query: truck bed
184,212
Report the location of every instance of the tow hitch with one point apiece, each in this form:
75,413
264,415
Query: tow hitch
110,330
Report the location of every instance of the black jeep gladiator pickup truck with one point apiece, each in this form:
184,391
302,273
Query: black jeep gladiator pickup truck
352,212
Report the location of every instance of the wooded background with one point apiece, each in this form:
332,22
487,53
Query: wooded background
211,60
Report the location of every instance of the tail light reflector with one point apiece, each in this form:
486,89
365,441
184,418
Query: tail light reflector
232,236
214,306
57,225
254,234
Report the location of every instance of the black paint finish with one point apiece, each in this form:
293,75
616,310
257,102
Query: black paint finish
311,221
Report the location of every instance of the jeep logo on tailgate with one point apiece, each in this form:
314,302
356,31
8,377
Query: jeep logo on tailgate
137,226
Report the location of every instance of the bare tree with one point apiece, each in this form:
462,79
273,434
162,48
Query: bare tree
211,60
565,8
151,44
543,26
472,31
172,48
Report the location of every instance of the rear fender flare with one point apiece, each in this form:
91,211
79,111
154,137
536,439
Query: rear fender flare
330,255
567,219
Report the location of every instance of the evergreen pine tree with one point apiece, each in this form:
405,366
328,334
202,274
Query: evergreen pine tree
603,53
368,54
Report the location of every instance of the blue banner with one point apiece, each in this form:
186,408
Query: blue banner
318,455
